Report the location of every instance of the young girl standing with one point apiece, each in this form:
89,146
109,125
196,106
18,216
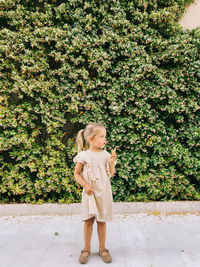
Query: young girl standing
93,170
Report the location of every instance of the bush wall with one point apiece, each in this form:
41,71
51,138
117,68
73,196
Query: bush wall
127,64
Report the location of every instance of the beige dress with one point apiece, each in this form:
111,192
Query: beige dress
96,171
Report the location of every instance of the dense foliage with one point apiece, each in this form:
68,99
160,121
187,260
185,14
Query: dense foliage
127,64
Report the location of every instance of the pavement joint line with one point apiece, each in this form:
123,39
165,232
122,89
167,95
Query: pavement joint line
151,208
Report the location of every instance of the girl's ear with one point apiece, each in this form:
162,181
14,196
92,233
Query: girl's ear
90,139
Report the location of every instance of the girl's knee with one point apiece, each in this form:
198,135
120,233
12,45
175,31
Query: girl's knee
90,221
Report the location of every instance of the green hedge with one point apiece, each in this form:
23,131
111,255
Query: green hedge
127,64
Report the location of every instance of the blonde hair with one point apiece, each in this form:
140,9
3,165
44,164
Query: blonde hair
82,137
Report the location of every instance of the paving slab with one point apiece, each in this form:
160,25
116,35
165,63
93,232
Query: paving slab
134,240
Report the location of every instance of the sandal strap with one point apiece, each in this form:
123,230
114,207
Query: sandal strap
84,250
101,251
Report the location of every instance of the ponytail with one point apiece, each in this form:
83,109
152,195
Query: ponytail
80,141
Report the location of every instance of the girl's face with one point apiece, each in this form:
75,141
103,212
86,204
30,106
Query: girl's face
99,140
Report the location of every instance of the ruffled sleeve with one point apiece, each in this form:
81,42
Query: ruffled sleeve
80,157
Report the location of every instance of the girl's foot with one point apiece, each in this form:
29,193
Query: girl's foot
84,256
104,253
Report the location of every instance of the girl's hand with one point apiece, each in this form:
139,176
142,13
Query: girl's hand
113,155
89,189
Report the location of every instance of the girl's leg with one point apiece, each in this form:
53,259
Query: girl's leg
88,228
101,228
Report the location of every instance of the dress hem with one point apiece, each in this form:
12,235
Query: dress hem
85,219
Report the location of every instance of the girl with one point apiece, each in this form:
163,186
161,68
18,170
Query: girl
93,170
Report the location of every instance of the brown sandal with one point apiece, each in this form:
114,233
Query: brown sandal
106,258
84,259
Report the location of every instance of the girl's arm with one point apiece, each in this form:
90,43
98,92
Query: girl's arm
112,160
112,168
78,168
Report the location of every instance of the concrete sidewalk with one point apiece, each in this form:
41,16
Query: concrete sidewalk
134,240
163,208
